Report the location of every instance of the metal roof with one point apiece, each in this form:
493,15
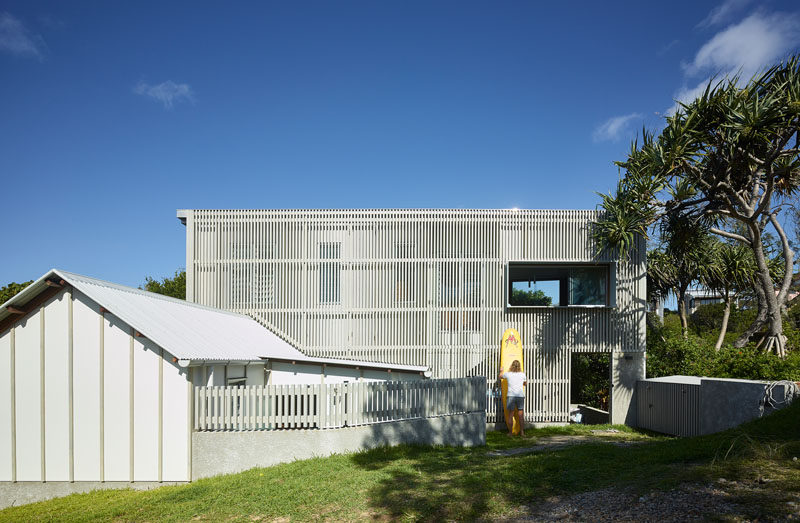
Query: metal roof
186,330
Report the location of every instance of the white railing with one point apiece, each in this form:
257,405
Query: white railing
271,407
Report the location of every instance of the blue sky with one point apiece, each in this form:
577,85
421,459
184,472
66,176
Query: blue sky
113,115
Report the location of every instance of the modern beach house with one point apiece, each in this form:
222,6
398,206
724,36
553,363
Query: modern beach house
433,288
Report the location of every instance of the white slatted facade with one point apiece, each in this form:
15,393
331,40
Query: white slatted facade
421,287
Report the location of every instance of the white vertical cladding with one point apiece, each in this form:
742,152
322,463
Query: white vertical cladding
86,383
255,375
5,406
56,392
116,399
28,398
175,429
146,362
413,286
190,255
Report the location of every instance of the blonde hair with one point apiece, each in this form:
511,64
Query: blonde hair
515,367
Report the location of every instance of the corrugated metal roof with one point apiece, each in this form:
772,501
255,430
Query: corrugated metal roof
186,330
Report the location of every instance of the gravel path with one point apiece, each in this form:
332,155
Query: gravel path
723,500
690,502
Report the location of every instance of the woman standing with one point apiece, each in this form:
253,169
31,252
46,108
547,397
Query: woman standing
515,397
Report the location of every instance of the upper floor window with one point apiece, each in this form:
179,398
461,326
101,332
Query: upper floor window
558,285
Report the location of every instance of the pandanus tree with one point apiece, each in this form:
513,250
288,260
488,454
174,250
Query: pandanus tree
730,272
731,156
678,262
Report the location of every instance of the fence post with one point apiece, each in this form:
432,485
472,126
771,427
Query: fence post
323,406
200,408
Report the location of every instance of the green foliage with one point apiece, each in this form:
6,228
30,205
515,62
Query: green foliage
709,316
750,363
793,315
707,319
675,355
523,297
668,353
175,286
732,269
590,379
11,290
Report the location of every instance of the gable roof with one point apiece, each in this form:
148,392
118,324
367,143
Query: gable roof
186,330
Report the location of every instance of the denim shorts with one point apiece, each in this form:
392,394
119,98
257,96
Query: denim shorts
515,402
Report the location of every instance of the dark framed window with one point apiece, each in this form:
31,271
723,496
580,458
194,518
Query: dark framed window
558,285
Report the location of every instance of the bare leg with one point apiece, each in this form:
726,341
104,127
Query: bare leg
520,419
509,422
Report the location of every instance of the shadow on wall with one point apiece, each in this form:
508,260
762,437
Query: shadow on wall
459,430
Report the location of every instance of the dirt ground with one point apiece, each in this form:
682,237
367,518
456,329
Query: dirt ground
720,501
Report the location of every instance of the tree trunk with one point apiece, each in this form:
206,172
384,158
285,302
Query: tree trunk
683,313
759,321
725,315
775,340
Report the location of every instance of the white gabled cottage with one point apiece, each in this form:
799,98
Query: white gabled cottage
98,378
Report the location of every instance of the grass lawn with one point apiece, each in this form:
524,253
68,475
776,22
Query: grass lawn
412,482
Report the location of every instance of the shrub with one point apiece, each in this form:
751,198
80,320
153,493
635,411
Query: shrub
696,357
708,316
676,355
590,379
753,364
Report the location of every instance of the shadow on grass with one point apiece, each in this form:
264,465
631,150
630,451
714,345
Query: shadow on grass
467,483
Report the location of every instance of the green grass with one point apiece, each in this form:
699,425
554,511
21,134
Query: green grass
415,482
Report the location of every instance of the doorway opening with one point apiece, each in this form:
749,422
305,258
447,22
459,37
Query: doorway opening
590,386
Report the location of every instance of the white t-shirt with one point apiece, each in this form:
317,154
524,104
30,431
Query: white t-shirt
515,381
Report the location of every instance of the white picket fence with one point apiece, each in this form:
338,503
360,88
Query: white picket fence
271,407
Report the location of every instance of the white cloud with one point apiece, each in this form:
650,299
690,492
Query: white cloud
665,48
613,128
723,12
757,41
17,40
168,93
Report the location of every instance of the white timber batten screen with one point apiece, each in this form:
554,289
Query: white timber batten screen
418,287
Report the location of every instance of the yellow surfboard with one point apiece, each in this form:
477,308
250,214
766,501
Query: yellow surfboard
510,350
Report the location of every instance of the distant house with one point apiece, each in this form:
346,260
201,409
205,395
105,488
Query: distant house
697,296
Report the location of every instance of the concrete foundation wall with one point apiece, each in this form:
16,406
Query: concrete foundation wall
727,403
627,368
24,492
692,406
228,452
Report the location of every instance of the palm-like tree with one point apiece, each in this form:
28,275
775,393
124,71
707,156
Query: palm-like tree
732,269
678,262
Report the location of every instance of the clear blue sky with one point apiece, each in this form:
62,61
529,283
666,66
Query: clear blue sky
113,115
